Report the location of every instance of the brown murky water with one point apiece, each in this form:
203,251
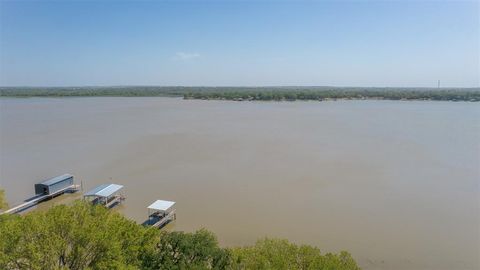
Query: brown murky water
394,183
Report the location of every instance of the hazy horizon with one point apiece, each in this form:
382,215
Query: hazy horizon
238,86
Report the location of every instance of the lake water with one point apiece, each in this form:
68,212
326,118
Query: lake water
396,183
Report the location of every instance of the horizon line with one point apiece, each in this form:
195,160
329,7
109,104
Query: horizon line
231,86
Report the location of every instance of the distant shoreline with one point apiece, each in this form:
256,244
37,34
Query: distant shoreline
252,93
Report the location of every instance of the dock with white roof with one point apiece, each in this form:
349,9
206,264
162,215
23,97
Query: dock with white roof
108,195
160,213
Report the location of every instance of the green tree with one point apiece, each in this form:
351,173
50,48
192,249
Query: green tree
72,237
3,201
179,250
281,254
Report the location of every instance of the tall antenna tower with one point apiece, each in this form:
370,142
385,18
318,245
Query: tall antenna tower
438,86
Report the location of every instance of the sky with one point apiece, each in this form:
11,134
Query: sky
240,43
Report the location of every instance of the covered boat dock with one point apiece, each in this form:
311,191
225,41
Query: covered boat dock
160,213
54,185
108,195
46,190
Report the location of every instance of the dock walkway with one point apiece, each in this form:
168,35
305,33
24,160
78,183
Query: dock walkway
40,198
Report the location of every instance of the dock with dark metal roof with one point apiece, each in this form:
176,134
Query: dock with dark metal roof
46,190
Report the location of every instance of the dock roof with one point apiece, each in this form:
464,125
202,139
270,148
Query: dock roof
104,190
56,179
161,205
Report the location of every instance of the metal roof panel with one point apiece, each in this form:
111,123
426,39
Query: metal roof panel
161,205
104,190
56,179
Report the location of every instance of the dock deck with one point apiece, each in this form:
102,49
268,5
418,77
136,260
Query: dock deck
38,199
160,221
114,200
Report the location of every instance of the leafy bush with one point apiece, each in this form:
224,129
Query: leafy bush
3,201
71,237
179,250
281,254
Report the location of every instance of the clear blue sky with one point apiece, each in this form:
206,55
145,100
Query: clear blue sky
404,43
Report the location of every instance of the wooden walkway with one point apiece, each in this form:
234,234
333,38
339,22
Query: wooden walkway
39,199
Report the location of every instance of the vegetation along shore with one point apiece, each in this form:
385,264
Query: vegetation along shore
83,236
251,93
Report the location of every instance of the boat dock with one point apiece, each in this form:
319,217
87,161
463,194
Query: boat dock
160,213
108,195
46,190
39,198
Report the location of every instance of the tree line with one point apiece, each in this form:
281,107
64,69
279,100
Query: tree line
83,236
320,95
251,93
